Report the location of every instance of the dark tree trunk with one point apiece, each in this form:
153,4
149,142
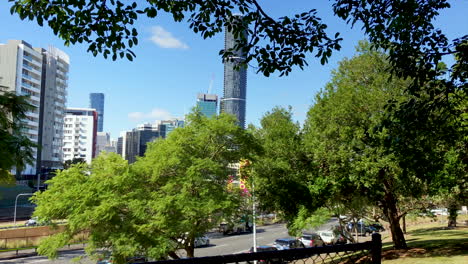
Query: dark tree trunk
390,210
190,252
452,215
404,224
190,247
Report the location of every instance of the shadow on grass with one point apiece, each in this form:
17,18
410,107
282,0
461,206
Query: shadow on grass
442,244
441,231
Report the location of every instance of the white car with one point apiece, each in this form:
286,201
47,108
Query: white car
31,222
201,241
329,237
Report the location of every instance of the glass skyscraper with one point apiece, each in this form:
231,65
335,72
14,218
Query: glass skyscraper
235,80
96,101
207,104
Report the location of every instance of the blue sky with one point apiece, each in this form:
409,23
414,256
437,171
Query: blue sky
173,64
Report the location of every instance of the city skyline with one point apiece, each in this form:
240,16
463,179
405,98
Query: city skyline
164,78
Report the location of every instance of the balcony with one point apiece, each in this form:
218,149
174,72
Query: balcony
32,69
30,87
32,114
31,79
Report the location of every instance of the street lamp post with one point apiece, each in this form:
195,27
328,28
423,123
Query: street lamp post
16,203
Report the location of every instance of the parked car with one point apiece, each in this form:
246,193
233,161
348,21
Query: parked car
439,211
264,249
329,237
311,240
130,260
361,228
376,227
287,243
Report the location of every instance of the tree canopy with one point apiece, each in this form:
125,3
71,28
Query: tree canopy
404,28
354,152
16,150
162,202
281,171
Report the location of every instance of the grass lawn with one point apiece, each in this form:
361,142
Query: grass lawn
430,243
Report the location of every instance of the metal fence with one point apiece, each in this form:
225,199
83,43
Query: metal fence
367,252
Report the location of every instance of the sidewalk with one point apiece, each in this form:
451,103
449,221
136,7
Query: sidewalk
24,253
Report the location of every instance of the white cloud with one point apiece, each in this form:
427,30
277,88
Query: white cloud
165,39
155,114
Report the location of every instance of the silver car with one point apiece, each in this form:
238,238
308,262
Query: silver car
311,240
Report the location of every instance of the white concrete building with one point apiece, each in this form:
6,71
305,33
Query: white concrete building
42,74
21,72
80,129
53,105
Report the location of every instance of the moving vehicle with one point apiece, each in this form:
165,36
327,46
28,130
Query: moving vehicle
202,241
31,222
287,243
235,228
311,240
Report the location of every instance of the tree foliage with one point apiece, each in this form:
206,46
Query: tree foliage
67,164
281,171
355,137
16,150
188,175
155,206
404,28
108,27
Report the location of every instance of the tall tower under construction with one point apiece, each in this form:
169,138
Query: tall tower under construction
235,80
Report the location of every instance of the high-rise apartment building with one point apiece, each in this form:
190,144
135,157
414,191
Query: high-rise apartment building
235,80
207,104
55,67
96,101
80,131
136,140
133,144
21,73
42,74
167,126
102,140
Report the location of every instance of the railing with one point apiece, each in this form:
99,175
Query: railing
367,252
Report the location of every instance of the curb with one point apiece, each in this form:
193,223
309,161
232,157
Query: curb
21,255
32,254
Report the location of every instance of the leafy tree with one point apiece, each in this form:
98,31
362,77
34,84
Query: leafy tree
358,139
16,150
341,138
281,171
100,200
188,177
155,206
67,164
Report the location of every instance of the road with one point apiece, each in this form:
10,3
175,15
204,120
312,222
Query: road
219,245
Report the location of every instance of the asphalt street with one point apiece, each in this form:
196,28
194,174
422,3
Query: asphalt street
219,245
